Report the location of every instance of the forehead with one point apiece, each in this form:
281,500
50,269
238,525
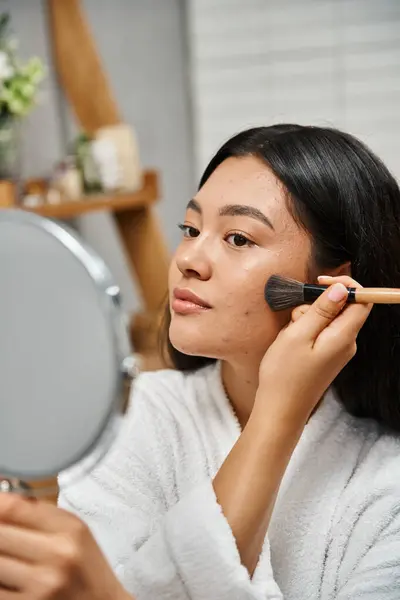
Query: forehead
247,181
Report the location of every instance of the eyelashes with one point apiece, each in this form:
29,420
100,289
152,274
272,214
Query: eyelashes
239,240
188,231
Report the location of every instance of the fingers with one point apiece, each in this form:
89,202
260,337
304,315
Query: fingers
323,311
13,575
345,279
37,516
350,321
24,544
298,312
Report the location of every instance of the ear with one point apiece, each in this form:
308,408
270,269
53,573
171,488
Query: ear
344,269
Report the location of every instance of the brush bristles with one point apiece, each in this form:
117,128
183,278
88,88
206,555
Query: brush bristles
282,293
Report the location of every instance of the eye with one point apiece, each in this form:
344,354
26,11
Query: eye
188,230
239,240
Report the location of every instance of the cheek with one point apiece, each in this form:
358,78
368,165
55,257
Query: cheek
247,320
241,322
173,275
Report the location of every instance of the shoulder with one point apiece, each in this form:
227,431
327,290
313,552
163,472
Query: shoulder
166,432
376,469
365,528
379,458
170,382
371,499
164,383
366,541
384,467
171,394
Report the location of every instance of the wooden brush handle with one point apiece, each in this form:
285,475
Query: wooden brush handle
377,296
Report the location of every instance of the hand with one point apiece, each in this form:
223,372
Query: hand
310,352
48,554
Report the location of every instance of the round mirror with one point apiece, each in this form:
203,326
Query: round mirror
64,353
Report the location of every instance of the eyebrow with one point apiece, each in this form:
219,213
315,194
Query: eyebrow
234,210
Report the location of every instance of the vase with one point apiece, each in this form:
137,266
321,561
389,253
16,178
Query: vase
9,147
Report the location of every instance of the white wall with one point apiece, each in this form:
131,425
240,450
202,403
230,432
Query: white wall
334,62
142,46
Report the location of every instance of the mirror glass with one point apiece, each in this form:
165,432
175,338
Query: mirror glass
64,351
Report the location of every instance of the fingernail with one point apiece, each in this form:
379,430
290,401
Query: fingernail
337,293
325,277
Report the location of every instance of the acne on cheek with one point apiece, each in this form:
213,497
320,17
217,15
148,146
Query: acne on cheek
257,318
250,311
254,308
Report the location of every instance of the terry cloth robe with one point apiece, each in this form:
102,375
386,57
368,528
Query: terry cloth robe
335,528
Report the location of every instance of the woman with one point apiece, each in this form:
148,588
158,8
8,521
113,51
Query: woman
237,476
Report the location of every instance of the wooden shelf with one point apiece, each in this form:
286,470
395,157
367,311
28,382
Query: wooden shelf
117,202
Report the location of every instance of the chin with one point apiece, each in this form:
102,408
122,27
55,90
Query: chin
193,342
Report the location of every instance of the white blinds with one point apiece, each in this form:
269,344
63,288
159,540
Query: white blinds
332,62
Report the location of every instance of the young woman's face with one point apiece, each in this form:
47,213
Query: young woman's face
237,232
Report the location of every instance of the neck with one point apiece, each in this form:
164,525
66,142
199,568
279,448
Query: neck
240,382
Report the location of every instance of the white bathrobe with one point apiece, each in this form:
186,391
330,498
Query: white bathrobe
334,533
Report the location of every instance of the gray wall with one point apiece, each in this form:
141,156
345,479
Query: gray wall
142,47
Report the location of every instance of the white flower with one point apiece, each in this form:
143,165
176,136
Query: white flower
28,90
6,70
16,107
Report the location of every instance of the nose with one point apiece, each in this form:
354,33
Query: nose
193,261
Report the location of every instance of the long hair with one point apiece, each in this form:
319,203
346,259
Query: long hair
349,203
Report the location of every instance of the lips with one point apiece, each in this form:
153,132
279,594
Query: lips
187,302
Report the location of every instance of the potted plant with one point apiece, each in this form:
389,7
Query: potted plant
19,82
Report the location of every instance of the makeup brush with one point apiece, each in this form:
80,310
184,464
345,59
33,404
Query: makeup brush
282,293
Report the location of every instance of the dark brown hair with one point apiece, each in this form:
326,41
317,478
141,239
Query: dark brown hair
348,201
